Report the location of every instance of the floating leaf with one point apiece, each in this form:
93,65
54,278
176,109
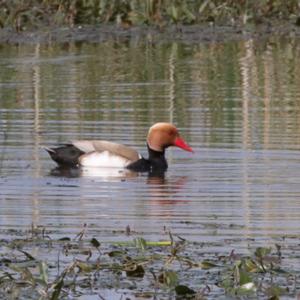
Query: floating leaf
205,265
57,289
226,283
169,278
116,253
95,243
244,277
251,266
261,252
134,270
140,243
86,267
63,239
183,290
5,261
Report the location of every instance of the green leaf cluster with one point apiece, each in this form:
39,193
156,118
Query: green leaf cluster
23,15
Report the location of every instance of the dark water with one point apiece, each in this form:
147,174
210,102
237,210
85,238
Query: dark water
237,104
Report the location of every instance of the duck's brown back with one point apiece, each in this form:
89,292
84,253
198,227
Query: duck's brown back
100,146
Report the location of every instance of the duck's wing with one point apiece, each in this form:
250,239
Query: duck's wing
100,146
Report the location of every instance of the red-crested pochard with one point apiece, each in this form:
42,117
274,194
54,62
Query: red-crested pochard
98,153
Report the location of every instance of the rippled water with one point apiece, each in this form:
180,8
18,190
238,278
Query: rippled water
236,103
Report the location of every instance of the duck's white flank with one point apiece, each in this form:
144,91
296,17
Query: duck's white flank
103,159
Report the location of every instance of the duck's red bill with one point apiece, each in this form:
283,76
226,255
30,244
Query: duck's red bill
181,143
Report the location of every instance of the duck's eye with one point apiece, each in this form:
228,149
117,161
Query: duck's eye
172,132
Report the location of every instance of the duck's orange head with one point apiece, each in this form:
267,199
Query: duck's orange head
164,135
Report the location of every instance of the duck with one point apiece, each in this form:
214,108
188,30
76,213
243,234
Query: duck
106,154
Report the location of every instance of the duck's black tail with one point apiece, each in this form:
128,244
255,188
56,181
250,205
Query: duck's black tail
66,155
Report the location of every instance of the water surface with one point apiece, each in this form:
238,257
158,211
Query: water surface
236,103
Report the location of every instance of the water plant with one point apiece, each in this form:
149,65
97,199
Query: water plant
34,265
22,14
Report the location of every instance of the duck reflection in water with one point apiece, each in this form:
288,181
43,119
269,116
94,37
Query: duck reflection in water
109,174
160,189
163,189
105,173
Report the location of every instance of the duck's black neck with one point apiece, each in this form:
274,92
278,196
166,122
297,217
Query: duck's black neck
157,159
155,164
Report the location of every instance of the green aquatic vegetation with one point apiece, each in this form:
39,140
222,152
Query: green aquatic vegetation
35,265
255,275
22,14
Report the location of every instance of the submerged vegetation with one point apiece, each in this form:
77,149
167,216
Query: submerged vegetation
35,265
22,14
